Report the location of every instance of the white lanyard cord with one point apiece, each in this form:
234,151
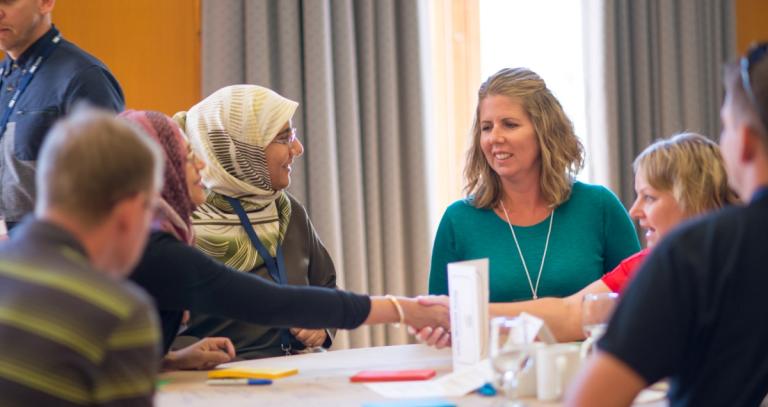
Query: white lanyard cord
534,290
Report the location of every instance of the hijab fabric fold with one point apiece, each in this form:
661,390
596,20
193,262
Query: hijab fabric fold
230,131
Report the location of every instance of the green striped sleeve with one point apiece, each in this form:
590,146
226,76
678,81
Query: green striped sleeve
71,284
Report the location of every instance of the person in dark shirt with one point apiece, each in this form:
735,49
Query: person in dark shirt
696,311
41,79
73,332
180,277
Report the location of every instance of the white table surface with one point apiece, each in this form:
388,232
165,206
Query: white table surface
323,380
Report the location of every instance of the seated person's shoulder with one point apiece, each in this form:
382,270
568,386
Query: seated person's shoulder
135,293
77,281
108,291
160,238
700,244
586,191
294,200
75,58
462,207
591,197
297,207
714,226
165,254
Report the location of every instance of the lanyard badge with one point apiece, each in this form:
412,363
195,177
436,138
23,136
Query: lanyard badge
26,79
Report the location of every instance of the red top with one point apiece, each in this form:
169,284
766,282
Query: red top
619,277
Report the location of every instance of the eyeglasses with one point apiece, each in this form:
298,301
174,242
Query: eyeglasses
754,55
286,136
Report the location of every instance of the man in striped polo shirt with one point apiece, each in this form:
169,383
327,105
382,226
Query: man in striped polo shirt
71,331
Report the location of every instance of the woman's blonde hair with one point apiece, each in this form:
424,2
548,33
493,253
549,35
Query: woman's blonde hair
562,155
691,167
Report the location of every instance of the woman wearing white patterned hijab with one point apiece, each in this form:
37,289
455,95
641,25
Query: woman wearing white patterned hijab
244,135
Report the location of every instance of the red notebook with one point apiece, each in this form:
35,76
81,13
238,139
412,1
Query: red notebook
392,375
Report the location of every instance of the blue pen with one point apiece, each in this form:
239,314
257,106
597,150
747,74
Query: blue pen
230,382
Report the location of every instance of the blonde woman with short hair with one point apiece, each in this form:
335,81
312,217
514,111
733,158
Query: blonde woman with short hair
545,233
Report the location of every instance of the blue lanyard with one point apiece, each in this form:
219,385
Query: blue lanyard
275,265
26,79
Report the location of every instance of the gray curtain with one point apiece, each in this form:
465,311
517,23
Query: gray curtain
355,67
659,64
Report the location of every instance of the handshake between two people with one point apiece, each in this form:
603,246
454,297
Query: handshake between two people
420,314
438,336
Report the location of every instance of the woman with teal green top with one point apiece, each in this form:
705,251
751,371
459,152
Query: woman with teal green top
545,233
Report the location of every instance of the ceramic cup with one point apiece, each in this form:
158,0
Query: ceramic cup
556,366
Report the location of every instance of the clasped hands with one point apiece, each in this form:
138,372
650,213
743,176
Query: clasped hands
431,321
204,354
311,338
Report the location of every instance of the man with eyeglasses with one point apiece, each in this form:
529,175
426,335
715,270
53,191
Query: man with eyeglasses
696,313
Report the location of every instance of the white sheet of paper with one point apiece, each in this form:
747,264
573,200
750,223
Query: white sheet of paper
455,384
468,289
536,328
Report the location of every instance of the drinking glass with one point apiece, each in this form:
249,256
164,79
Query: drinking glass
511,354
596,310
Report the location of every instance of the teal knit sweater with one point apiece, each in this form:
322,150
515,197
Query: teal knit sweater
591,234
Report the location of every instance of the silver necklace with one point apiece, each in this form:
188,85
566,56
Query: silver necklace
534,290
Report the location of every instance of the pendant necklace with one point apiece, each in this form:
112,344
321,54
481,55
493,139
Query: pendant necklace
534,290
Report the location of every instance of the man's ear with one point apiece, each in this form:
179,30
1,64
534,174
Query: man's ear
46,6
750,143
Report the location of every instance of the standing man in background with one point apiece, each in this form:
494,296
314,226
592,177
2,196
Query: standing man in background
42,77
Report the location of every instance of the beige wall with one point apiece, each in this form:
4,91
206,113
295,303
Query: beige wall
151,46
751,23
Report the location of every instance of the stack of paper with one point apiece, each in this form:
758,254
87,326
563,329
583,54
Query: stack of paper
250,373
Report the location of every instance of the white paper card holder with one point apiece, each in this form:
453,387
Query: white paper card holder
468,290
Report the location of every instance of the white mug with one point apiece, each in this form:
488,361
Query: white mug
526,386
556,366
